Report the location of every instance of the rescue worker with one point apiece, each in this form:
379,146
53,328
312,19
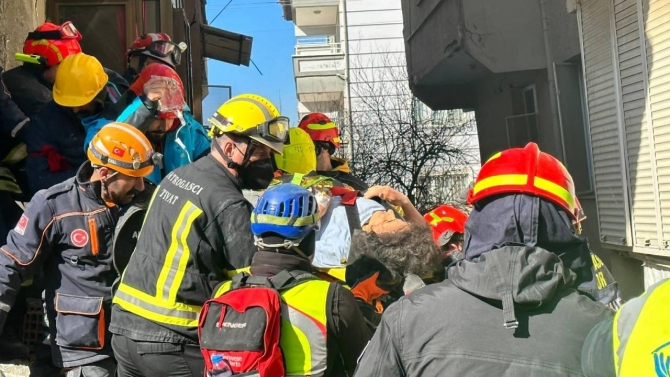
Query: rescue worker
171,128
636,342
82,92
520,312
152,48
70,230
326,137
197,228
284,247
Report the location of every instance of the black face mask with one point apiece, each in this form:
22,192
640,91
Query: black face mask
256,175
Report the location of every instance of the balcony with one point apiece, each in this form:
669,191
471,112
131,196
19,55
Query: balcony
319,69
306,13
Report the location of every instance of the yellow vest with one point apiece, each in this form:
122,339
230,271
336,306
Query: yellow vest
303,329
641,335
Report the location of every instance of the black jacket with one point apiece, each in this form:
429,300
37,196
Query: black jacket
197,228
70,231
456,328
348,333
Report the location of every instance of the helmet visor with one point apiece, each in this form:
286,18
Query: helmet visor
275,130
166,49
68,30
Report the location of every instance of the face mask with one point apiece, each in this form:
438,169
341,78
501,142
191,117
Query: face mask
257,175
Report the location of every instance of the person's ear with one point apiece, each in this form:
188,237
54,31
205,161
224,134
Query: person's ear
104,173
228,147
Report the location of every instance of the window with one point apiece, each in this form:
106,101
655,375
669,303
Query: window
522,127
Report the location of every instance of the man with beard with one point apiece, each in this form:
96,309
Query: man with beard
70,230
514,297
171,128
196,234
81,94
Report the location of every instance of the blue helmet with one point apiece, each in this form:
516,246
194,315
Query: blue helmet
288,210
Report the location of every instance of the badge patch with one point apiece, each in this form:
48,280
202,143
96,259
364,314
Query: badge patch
79,237
662,360
118,151
21,225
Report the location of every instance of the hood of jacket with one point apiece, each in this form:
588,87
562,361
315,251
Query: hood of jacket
340,165
513,275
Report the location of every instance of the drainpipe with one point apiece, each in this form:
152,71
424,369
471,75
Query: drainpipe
350,126
551,77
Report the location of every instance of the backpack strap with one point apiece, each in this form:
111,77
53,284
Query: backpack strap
244,279
289,279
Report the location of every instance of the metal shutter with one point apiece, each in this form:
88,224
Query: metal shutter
656,18
606,140
639,140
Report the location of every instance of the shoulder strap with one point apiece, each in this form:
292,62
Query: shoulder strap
289,279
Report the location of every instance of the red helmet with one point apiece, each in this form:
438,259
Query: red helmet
527,171
173,99
445,221
158,46
53,43
320,128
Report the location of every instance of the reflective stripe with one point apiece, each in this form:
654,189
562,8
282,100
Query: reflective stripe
149,307
232,273
500,180
17,154
172,273
437,219
4,307
494,157
317,126
555,190
304,334
18,127
8,182
290,221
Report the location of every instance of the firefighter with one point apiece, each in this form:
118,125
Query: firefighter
70,230
448,225
513,294
152,48
636,342
197,228
326,137
288,248
173,133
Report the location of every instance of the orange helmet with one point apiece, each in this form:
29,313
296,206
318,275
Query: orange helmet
526,171
445,221
123,148
320,128
53,43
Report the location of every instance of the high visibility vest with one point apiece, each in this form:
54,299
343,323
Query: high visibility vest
641,335
303,329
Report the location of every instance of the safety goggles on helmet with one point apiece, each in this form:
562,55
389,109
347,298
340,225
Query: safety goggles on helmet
65,31
275,130
166,49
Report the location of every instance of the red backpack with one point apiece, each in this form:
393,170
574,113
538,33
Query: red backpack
243,325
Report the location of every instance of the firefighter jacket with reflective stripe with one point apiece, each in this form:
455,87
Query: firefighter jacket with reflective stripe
636,342
303,327
69,231
196,230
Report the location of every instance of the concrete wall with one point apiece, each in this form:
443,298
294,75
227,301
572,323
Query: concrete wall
17,19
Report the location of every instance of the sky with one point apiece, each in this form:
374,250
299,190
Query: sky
271,50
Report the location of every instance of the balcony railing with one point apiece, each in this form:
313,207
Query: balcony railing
316,48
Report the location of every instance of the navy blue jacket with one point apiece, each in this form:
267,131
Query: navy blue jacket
71,232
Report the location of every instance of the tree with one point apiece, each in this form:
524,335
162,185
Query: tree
398,141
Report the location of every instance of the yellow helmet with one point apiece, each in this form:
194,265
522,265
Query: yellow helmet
299,154
79,79
252,116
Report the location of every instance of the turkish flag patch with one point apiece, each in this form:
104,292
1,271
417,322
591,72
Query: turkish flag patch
21,225
79,237
118,151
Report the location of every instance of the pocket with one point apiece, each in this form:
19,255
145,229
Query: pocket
80,322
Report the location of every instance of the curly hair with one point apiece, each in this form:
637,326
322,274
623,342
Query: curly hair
409,251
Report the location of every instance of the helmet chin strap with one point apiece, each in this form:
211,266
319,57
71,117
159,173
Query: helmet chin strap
232,164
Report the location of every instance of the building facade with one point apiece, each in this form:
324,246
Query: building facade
349,63
578,78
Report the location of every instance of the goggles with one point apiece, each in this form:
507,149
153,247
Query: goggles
65,31
275,130
166,49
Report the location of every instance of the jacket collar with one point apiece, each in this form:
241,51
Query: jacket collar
236,180
267,263
340,165
93,189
